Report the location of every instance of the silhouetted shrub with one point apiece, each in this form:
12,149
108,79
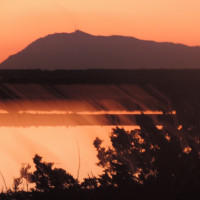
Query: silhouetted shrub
48,178
163,162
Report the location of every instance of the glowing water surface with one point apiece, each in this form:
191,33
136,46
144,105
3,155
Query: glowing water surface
38,124
55,144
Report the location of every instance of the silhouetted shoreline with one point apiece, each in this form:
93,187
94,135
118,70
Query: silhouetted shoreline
101,76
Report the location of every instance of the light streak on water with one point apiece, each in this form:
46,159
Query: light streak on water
3,112
58,112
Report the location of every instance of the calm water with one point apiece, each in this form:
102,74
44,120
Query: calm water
59,144
27,128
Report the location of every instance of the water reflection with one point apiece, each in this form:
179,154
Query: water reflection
55,129
56,144
102,112
26,118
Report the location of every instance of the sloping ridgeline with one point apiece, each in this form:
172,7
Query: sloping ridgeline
79,50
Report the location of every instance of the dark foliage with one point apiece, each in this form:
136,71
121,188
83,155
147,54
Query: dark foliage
48,178
163,162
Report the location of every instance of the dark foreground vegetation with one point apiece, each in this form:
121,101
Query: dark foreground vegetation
147,163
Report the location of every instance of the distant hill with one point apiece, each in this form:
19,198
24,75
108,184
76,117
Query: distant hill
79,50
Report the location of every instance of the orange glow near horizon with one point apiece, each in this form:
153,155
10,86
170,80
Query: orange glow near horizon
24,21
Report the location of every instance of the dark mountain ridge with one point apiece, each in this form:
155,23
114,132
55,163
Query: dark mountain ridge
79,50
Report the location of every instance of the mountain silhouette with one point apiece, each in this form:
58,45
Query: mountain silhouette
79,50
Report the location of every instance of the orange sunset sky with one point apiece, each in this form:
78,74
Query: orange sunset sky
23,21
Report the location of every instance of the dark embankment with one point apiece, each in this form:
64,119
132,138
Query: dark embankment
99,90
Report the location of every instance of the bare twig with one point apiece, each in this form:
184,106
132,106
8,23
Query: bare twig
4,181
79,160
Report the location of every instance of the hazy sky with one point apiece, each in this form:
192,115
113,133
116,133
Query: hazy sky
23,21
